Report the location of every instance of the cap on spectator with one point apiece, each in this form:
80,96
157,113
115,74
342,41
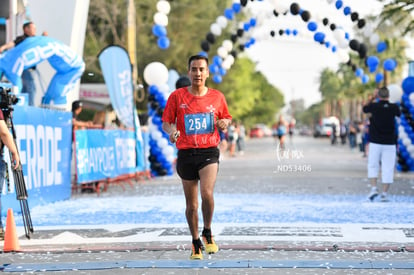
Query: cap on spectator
383,92
76,104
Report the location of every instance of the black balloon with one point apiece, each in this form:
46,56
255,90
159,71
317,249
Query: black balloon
233,38
294,8
281,32
241,48
205,46
272,33
325,21
183,81
305,16
354,45
240,32
233,53
210,38
361,23
362,50
243,2
354,16
275,13
354,67
332,27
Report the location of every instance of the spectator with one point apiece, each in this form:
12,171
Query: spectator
382,142
29,29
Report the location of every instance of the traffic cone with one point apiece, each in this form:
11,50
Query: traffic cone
11,242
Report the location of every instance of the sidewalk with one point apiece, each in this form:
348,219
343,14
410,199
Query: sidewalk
256,245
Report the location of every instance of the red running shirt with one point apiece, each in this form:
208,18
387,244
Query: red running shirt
195,117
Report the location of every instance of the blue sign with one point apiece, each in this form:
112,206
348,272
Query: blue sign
45,148
103,154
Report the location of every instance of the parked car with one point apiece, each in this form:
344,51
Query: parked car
260,130
324,128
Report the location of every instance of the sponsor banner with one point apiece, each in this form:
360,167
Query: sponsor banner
45,147
103,154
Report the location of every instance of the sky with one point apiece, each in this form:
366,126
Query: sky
293,63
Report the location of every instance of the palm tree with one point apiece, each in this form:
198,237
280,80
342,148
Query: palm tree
398,12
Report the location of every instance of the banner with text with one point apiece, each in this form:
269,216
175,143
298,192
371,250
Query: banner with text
103,154
45,147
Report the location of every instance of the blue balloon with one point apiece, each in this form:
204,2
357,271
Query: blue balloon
246,26
373,61
408,85
381,46
217,78
203,53
229,14
379,77
159,30
213,68
253,22
389,64
347,10
217,60
287,32
236,7
359,72
153,90
327,44
338,4
222,71
163,42
333,49
312,26
295,32
319,37
365,79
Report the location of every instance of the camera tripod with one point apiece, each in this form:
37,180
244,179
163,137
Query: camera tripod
20,185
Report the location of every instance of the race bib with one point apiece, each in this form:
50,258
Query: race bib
202,123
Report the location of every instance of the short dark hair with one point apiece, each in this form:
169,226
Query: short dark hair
25,25
196,57
383,92
76,104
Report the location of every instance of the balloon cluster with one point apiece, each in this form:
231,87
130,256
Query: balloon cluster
406,127
217,27
161,150
161,22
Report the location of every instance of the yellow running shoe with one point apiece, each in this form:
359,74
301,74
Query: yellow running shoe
197,251
210,245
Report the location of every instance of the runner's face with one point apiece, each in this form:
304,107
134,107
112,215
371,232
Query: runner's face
198,72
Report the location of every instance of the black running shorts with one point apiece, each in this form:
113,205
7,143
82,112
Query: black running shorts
190,161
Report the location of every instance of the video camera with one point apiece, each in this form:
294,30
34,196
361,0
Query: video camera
7,98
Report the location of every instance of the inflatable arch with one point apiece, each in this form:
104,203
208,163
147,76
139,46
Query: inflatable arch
33,50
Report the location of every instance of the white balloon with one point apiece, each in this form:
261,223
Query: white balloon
222,21
411,97
215,29
368,30
222,52
343,56
161,19
162,143
167,150
410,149
155,73
156,135
230,59
163,6
228,45
395,92
406,141
374,39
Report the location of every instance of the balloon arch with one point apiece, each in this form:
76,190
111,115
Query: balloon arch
161,80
